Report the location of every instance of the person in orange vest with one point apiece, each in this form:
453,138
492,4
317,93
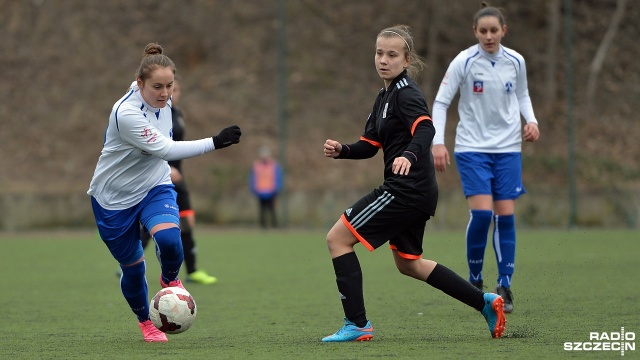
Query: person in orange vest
266,180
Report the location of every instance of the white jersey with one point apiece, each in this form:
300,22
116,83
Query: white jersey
134,156
493,93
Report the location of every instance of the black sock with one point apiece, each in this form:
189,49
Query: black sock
188,246
146,237
349,280
455,286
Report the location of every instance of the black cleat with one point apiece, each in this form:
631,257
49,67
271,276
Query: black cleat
478,284
507,296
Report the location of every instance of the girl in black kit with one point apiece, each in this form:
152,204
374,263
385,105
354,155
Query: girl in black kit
397,211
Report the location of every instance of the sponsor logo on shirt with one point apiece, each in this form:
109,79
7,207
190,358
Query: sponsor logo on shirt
169,206
478,87
148,135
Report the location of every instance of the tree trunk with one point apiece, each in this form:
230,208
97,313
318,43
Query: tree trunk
598,60
550,92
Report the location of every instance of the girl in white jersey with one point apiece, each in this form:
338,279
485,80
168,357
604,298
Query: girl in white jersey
132,185
492,82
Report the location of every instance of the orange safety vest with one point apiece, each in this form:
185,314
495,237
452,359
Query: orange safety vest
265,176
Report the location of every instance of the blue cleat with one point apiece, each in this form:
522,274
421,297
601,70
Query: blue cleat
350,332
494,314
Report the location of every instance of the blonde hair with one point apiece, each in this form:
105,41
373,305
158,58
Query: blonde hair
416,62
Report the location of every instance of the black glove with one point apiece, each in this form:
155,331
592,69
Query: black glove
228,136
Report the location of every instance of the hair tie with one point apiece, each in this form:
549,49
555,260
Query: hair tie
401,37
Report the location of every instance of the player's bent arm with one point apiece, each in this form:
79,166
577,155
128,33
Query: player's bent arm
187,149
420,145
361,149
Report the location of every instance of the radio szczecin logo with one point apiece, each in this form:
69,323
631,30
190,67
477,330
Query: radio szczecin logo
605,341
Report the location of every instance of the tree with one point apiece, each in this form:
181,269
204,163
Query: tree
598,60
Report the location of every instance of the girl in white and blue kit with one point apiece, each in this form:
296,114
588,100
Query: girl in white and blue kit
131,184
492,81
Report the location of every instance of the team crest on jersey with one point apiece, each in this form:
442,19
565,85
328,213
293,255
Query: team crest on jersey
478,87
508,86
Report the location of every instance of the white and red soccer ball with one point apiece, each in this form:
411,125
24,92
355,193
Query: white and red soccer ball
173,310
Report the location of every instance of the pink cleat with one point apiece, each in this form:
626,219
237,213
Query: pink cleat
150,333
174,283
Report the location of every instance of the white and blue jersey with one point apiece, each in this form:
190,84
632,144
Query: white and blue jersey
493,93
137,145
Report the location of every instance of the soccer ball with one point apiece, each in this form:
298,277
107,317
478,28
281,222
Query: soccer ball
173,310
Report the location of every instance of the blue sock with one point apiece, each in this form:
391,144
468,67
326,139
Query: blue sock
169,252
134,288
477,234
504,245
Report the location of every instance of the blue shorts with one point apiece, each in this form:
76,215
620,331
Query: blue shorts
499,174
120,229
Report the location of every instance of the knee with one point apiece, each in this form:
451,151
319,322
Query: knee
338,245
332,240
405,269
411,268
168,240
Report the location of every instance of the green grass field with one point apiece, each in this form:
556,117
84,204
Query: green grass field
276,298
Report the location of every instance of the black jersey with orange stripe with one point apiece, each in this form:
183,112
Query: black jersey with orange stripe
400,124
177,119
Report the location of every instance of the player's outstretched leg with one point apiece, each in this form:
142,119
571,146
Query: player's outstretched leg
494,314
350,332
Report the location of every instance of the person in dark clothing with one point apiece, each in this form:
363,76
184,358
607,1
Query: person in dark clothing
397,211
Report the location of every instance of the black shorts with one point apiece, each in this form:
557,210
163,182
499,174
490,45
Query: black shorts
380,217
184,203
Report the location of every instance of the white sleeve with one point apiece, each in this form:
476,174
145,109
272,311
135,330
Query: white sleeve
446,92
136,130
439,121
526,109
522,91
186,149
